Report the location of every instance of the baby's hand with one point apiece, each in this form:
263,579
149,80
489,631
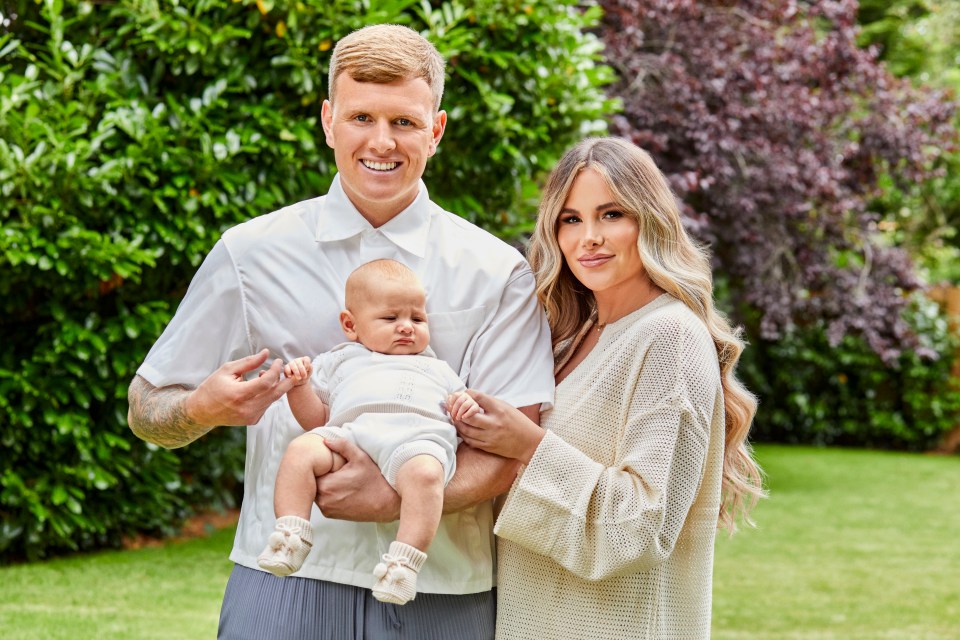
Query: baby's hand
300,370
461,406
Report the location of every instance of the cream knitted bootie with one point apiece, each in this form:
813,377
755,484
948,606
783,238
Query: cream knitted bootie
287,546
397,574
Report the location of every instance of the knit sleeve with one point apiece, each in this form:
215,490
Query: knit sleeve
451,380
600,521
320,380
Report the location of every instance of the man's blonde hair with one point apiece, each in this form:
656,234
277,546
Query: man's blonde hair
384,53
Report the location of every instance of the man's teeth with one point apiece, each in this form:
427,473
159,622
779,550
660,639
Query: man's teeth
380,166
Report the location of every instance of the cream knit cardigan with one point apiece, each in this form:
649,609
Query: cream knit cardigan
609,531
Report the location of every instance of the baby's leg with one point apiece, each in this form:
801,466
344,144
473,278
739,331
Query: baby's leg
296,488
306,458
420,485
420,482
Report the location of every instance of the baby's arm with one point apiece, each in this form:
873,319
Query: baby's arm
461,405
307,407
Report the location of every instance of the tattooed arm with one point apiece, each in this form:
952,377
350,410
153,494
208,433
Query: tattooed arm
159,415
174,416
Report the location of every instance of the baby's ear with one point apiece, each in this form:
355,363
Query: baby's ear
348,325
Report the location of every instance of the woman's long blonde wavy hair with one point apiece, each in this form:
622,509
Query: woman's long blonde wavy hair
674,262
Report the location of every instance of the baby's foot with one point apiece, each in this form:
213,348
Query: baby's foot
287,546
397,574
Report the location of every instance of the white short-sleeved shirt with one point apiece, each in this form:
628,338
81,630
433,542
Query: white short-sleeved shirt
277,282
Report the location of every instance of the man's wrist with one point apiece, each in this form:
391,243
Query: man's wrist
389,510
189,410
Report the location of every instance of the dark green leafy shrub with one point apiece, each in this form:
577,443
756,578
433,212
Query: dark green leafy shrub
132,133
811,392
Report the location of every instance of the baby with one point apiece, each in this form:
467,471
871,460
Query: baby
386,391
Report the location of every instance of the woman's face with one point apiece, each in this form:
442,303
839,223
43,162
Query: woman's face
598,240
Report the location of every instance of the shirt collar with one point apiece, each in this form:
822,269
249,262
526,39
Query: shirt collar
409,229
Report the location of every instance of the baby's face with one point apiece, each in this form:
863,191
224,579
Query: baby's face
393,320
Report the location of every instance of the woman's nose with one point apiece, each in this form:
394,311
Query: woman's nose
592,236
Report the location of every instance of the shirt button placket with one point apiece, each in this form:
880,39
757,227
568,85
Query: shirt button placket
374,246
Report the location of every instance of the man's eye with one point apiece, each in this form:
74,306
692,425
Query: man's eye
362,118
404,122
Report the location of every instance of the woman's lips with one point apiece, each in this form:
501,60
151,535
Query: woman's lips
594,260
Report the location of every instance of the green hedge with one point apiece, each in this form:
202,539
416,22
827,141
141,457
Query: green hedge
814,392
133,133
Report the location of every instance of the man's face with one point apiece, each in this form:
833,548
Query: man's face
382,135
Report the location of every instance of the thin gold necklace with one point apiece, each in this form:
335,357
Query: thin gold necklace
602,325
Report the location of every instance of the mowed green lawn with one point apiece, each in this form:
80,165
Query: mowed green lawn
851,545
169,592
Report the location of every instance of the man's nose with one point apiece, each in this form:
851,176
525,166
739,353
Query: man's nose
381,138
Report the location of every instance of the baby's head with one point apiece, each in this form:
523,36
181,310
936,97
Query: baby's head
386,309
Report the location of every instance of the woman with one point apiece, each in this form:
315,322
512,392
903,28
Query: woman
608,530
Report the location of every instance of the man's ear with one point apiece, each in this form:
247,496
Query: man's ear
348,325
439,126
326,120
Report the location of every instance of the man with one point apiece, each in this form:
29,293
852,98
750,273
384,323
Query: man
273,287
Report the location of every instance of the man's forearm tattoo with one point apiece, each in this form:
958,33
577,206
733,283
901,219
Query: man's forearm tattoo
160,415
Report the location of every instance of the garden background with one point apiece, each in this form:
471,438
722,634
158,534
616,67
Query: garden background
813,145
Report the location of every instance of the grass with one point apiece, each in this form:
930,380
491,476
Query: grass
851,545
168,592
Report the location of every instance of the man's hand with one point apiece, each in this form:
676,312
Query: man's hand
227,398
357,491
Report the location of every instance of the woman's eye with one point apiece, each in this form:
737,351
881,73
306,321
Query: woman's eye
569,219
613,214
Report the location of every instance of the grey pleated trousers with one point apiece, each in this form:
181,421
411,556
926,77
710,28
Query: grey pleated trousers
260,606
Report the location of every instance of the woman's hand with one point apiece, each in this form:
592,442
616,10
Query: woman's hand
500,428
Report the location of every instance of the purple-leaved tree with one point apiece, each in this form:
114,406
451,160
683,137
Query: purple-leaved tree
774,128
